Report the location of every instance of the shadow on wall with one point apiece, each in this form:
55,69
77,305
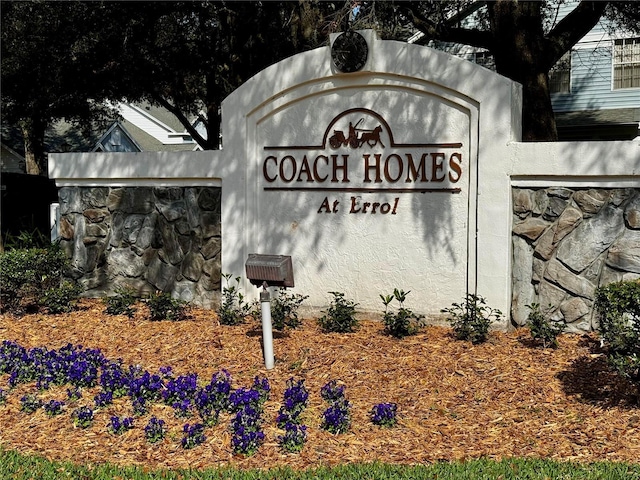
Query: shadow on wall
145,238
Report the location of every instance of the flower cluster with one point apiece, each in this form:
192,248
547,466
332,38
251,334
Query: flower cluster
143,389
113,379
180,393
74,394
295,401
29,403
213,398
192,435
82,417
384,414
80,368
118,426
69,364
53,407
337,417
155,430
246,425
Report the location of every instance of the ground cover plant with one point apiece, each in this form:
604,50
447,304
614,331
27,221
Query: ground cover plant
471,319
340,316
404,321
618,308
498,399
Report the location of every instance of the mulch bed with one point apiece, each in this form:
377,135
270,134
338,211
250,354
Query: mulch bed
503,398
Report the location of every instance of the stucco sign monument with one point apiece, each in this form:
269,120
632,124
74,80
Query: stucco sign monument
374,164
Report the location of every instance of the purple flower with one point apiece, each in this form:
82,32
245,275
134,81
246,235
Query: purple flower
294,437
118,426
332,392
53,407
384,414
82,417
192,435
155,430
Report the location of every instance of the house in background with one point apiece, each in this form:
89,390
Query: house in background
11,161
146,128
595,88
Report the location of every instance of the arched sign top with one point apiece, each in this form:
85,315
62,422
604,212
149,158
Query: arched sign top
358,127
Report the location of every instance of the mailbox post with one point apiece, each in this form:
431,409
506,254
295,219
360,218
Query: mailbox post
268,271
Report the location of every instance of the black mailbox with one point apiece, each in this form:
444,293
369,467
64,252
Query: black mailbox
275,270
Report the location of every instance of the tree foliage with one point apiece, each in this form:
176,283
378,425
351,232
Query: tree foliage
51,69
63,60
526,39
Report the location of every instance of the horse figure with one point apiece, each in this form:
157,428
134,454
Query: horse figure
372,138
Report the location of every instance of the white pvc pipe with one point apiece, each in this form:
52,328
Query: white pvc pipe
267,332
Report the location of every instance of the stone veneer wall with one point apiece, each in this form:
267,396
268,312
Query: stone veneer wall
166,239
566,243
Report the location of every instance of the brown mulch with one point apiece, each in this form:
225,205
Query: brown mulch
503,398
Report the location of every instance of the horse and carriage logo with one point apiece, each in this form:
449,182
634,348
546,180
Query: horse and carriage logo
356,136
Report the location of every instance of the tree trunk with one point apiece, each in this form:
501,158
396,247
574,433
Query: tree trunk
33,134
519,52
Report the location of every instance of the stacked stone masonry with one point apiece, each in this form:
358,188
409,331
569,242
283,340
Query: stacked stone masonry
148,239
566,243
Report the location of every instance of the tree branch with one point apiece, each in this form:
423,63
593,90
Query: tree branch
443,31
571,29
200,140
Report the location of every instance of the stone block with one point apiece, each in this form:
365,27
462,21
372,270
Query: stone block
211,248
192,266
161,275
549,294
171,249
211,226
66,229
147,231
563,277
523,293
555,207
531,228
589,239
131,228
125,262
95,215
567,221
632,213
624,253
522,203
209,199
94,198
173,211
590,201
544,245
70,200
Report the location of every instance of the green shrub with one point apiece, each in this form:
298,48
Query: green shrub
402,323
62,299
233,309
284,309
162,306
471,320
542,329
122,302
340,317
26,273
618,311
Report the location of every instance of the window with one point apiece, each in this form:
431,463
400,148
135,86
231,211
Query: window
484,59
560,75
626,63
